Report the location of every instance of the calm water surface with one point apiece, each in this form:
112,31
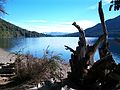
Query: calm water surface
37,46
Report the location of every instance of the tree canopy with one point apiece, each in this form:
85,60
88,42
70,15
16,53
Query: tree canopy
115,4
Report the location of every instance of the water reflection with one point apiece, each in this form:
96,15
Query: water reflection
5,43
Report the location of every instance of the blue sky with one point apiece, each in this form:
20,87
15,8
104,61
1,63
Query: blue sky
55,15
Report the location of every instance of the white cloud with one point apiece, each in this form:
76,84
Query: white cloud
93,7
37,21
59,27
83,23
55,26
86,23
51,28
106,1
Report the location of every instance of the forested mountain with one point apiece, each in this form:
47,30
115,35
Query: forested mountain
113,26
8,30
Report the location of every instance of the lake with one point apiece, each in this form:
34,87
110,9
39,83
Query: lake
37,46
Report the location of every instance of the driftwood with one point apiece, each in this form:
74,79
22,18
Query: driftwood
105,46
86,74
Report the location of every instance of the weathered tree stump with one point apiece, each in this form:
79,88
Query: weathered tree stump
102,73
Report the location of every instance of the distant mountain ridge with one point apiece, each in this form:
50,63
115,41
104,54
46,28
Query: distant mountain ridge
8,30
113,27
56,33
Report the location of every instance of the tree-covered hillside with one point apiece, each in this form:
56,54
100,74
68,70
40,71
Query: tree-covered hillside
113,26
8,30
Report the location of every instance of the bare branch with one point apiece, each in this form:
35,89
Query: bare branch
101,14
2,11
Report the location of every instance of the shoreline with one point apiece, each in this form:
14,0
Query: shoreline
6,57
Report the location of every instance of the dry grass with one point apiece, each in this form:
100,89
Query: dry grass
29,71
27,67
